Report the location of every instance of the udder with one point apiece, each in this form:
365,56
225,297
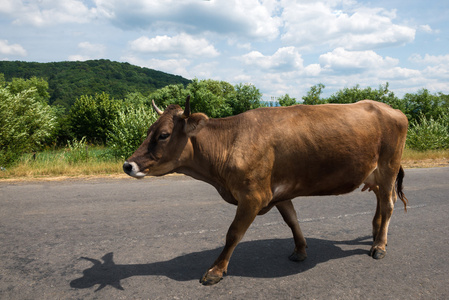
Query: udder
370,183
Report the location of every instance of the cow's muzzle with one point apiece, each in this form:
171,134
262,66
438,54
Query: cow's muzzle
132,169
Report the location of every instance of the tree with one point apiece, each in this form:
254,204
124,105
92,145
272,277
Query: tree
2,80
210,97
136,99
286,100
25,123
70,80
247,97
39,86
424,104
91,117
108,110
355,94
350,95
83,117
214,98
313,95
170,94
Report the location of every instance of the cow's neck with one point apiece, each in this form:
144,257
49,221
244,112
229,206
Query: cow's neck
211,150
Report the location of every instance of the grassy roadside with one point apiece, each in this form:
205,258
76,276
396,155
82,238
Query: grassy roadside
95,163
425,159
64,163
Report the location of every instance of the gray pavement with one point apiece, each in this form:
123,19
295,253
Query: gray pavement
154,238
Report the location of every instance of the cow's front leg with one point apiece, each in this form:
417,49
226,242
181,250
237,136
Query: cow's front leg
246,213
288,213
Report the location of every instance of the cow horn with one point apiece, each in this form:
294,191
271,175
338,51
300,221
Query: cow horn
159,112
186,112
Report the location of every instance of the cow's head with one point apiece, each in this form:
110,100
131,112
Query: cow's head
167,145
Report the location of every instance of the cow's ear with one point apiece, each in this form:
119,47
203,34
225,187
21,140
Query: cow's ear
195,123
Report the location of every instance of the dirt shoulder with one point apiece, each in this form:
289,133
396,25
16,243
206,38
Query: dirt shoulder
425,163
73,178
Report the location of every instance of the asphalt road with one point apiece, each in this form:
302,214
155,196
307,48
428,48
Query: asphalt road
154,238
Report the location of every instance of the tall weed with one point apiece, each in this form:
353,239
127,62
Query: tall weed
429,134
77,151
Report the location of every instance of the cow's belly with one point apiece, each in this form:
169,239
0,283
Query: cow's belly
286,191
337,184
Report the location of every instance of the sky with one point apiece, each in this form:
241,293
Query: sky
279,46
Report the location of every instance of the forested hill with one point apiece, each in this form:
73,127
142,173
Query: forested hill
69,80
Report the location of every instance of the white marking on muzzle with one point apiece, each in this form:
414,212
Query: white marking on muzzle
135,171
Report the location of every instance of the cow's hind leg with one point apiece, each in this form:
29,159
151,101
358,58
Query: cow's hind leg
377,218
288,212
386,198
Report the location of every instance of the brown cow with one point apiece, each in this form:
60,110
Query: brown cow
268,156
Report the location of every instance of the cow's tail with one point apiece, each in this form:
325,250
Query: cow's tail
400,187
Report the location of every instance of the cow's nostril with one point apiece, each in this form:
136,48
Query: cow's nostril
127,167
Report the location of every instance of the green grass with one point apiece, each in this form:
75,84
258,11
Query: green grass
70,161
97,161
410,154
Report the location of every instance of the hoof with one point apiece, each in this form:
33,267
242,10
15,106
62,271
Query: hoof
296,256
378,253
210,279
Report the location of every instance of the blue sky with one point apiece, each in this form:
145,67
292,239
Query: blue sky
280,46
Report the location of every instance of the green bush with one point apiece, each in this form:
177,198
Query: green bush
428,133
91,117
129,129
25,123
247,97
210,97
355,94
423,104
286,100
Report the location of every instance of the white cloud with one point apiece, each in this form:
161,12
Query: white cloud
179,45
430,59
96,49
47,12
312,70
436,70
88,51
242,78
11,49
426,28
354,61
440,72
283,60
398,73
280,46
249,18
234,43
78,57
329,23
9,6
207,70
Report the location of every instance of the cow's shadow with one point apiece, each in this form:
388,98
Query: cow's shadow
262,258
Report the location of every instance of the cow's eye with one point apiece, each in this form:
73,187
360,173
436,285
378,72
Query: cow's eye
164,136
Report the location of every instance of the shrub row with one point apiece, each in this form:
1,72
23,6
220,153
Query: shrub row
28,123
